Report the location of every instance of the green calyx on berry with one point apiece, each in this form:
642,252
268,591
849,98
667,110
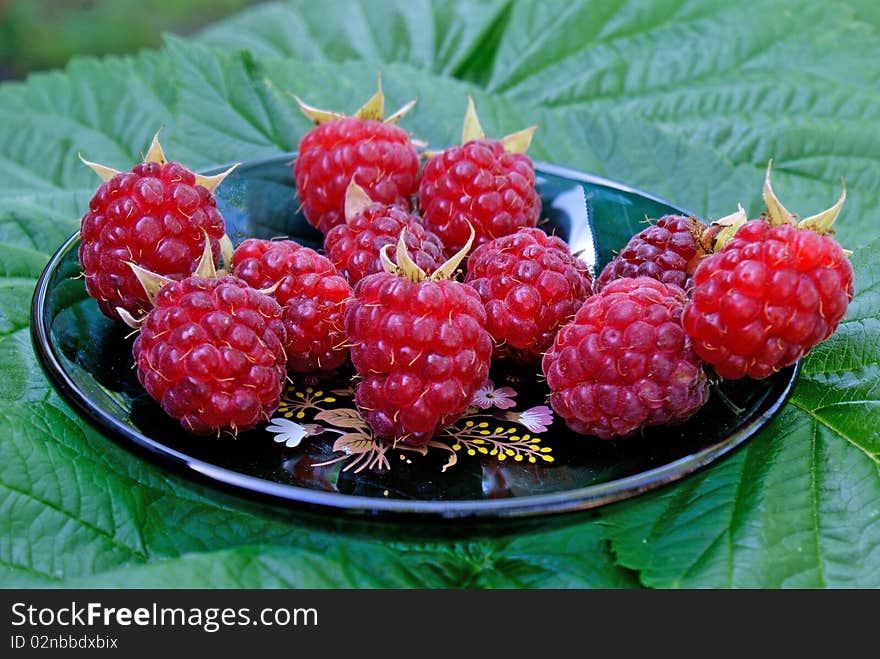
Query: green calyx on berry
227,251
517,142
722,231
373,109
152,283
777,214
157,155
406,267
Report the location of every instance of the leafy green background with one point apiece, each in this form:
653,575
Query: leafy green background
685,98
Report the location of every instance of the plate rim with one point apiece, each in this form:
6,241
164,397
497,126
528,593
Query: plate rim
253,487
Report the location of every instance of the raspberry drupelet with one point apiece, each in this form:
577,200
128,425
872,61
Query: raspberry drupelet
625,363
420,347
311,292
531,285
156,216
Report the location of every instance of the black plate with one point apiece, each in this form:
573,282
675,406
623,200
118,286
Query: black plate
89,359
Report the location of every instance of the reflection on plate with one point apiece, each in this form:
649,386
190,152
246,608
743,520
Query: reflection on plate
512,456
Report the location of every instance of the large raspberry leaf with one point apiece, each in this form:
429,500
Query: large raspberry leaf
457,38
79,510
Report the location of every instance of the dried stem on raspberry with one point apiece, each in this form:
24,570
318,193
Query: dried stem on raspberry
821,223
405,266
227,252
106,173
519,141
211,182
131,321
448,268
777,214
722,230
471,129
155,153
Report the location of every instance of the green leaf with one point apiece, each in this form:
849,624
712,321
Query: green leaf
108,110
573,556
82,512
231,112
798,506
260,567
63,516
451,38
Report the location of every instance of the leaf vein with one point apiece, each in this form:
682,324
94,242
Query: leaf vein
95,529
29,570
875,459
814,491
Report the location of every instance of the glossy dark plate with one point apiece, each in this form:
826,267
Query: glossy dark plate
89,359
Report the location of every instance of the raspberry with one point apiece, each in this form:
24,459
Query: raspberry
354,247
771,294
374,152
312,293
767,298
211,354
531,285
421,348
155,216
487,183
668,251
625,363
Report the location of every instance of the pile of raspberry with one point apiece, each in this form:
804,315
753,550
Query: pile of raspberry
434,268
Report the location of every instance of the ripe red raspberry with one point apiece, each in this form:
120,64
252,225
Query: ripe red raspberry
625,363
489,184
211,354
421,348
354,246
767,298
312,293
531,285
155,216
771,294
365,148
668,251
